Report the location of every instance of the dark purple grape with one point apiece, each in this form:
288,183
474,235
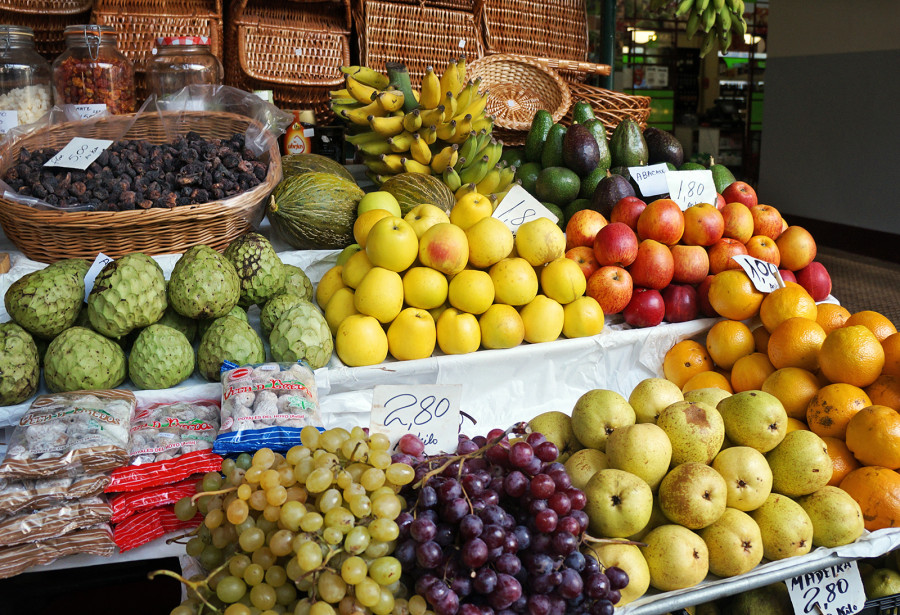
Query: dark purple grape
618,578
536,438
406,553
557,604
507,521
538,604
490,497
448,605
577,498
449,490
508,591
519,605
475,464
466,446
402,458
582,518
614,595
542,486
429,514
435,592
561,479
602,607
596,585
470,527
491,515
591,566
446,534
508,564
493,535
424,582
570,585
523,535
472,484
496,483
569,524
546,451
564,543
427,497
422,529
454,510
429,554
546,520
479,440
556,577
540,543
469,609
575,560
485,581
474,553
520,454
498,455
497,435
541,584
462,586
510,543
537,506
554,467
495,553
534,467
515,484
541,564
560,503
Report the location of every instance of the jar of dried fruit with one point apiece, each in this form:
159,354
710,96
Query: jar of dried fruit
25,94
180,61
92,73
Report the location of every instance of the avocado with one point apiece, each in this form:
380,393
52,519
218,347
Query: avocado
671,166
627,145
610,191
552,154
576,205
557,185
662,146
623,171
599,132
580,150
722,177
691,166
513,156
537,134
589,182
556,211
528,173
582,112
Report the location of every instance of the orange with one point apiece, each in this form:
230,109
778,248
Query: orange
851,354
873,435
727,341
794,387
685,359
842,460
796,425
732,295
832,407
891,347
784,303
877,323
831,316
750,371
761,338
796,343
885,391
707,380
877,491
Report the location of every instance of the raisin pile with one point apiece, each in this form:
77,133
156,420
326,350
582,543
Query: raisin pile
139,175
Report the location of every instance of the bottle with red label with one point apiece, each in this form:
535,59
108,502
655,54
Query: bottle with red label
298,137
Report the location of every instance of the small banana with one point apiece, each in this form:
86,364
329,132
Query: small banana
449,106
460,164
700,5
502,195
484,139
708,42
387,126
723,21
376,148
412,121
444,158
360,91
430,97
391,100
361,115
719,4
363,138
413,166
340,94
476,107
340,109
486,123
377,166
461,70
739,26
467,149
450,82
348,103
432,116
490,181
475,172
493,151
367,76
693,24
465,96
419,150
463,190
446,131
708,18
507,175
400,143
725,40
683,7
451,179
429,134
376,178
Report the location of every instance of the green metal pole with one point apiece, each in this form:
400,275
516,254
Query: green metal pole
608,39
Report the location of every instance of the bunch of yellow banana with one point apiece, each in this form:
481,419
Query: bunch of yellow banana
717,19
441,130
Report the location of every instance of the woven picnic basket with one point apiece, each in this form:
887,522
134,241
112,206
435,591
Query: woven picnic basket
48,19
610,107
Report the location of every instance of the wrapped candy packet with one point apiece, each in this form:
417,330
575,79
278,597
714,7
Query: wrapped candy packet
149,525
95,540
50,522
126,504
19,495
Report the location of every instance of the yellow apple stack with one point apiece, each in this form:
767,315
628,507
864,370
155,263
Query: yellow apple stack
458,282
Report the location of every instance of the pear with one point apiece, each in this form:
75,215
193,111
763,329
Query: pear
628,558
800,464
676,556
657,518
556,426
597,414
785,527
693,495
771,599
881,582
836,517
734,543
618,503
754,418
710,395
642,449
747,476
651,396
583,464
695,430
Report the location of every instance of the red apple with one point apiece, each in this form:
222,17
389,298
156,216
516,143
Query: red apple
706,307
740,192
738,222
764,249
703,225
720,254
615,244
611,287
691,264
682,302
654,265
585,258
627,210
646,308
662,221
720,201
816,280
766,221
787,276
582,227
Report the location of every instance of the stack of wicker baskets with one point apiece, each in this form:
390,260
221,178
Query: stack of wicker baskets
48,19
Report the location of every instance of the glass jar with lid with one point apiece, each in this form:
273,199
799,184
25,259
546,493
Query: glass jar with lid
25,94
180,61
92,73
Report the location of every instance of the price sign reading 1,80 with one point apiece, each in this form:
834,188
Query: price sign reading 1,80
430,412
687,188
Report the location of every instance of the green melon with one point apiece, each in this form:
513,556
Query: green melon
298,164
315,211
412,189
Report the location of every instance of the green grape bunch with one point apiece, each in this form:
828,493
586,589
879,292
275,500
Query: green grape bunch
714,20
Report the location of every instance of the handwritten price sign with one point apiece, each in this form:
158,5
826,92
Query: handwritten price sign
9,119
96,267
519,207
837,590
651,179
688,188
765,276
429,411
79,153
86,112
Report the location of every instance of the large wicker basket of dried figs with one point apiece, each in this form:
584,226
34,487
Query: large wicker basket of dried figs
167,182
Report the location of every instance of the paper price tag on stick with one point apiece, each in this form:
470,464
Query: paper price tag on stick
836,590
763,275
96,267
79,153
429,411
519,207
688,188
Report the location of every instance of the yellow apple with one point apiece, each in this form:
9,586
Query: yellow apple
543,319
365,222
424,216
339,307
563,280
458,332
378,199
411,335
392,244
515,282
470,209
347,252
583,318
471,290
424,287
330,281
501,327
436,312
355,269
490,241
444,247
361,340
540,241
380,294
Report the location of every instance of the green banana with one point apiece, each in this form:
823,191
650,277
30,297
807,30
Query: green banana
683,7
723,22
494,150
468,147
739,26
451,178
693,24
490,181
719,4
460,164
475,172
709,18
709,42
701,5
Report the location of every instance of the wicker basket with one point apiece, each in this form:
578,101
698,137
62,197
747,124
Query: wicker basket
417,35
48,19
139,22
610,107
48,236
293,48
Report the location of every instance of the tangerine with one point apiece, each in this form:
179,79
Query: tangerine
750,372
877,491
891,347
851,354
794,387
732,295
877,323
873,435
831,316
795,343
885,391
727,341
832,407
783,303
707,380
842,460
761,338
685,359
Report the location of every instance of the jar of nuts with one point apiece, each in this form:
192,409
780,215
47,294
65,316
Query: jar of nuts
24,79
180,61
92,72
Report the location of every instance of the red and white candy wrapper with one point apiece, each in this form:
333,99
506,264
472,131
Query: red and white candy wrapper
130,503
149,525
166,472
96,540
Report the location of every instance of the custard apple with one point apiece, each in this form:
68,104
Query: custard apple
188,326
20,371
302,333
275,309
81,359
203,284
258,266
204,325
45,303
296,281
128,293
161,357
228,339
77,265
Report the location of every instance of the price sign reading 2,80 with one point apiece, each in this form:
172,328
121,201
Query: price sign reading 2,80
430,412
836,590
